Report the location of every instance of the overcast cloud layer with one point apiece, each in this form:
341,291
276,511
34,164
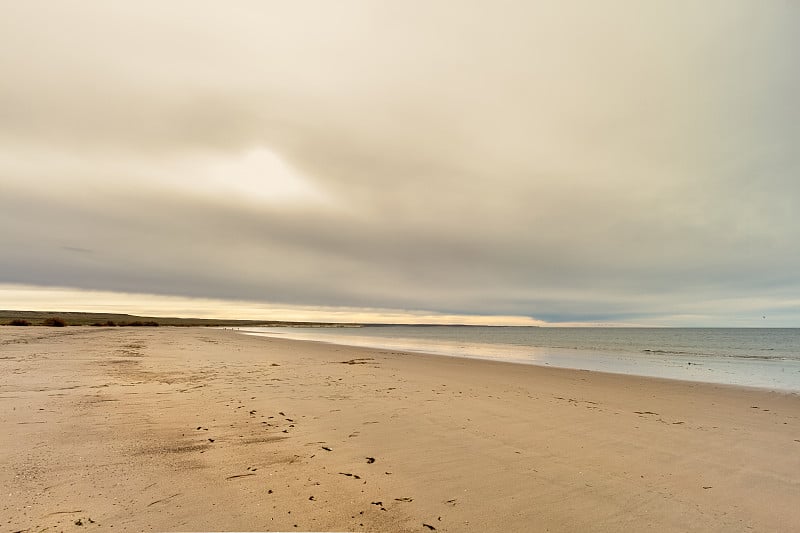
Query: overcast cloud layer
570,161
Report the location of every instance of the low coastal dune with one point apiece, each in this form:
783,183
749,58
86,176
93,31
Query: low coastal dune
174,429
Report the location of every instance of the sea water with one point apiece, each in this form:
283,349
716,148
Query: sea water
756,357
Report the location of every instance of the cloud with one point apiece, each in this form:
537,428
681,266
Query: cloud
607,163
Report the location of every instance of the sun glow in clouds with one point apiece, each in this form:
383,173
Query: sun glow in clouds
256,175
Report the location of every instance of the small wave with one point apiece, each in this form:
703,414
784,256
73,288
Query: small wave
676,352
723,356
763,357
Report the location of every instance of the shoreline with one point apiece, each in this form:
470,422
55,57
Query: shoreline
204,429
584,354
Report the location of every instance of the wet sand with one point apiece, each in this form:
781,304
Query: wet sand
171,429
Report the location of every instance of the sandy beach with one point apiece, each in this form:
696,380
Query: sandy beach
191,429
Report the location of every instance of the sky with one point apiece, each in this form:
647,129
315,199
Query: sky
542,163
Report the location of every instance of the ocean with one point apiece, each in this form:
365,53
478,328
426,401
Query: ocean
755,357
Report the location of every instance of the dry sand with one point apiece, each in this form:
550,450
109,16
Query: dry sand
199,429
